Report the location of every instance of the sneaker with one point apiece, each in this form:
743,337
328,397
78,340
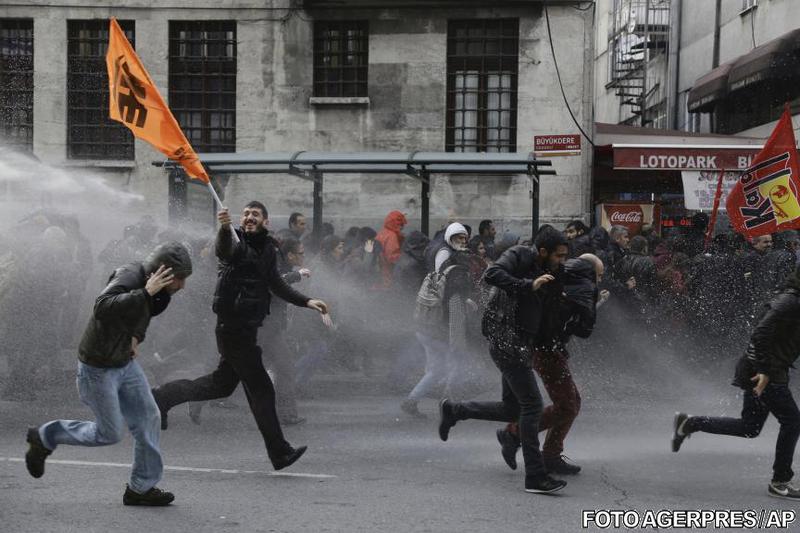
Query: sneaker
154,497
562,465
545,485
36,454
678,430
279,463
409,407
510,445
783,490
446,419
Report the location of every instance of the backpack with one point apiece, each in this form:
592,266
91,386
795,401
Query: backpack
429,310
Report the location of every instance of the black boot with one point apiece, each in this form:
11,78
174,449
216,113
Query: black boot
37,453
282,461
154,497
510,444
447,419
161,409
559,465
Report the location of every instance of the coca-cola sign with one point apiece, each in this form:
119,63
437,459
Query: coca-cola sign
631,216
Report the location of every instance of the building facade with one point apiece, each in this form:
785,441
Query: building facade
284,76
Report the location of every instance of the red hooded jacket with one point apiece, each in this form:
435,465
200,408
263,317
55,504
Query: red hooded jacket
391,241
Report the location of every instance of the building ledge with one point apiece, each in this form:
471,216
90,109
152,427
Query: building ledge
748,9
339,100
120,164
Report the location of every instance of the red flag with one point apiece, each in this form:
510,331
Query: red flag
765,199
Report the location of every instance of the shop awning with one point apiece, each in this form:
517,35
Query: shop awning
709,89
779,58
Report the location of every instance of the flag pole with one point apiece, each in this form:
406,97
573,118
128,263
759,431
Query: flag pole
219,204
713,221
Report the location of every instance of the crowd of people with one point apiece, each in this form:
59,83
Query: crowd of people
432,307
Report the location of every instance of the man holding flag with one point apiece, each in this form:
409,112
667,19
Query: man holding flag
764,201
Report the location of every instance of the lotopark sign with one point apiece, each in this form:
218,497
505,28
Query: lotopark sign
677,157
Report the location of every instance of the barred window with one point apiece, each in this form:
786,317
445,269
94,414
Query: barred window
482,61
16,83
341,58
90,133
202,82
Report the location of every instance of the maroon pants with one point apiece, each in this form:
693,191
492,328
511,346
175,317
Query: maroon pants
557,418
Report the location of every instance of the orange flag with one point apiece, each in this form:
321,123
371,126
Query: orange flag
136,102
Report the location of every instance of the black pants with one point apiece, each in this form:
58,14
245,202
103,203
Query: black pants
240,361
776,399
521,400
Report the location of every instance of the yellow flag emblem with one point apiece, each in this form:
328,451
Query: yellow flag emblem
782,197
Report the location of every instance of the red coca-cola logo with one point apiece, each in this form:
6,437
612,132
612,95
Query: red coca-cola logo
631,217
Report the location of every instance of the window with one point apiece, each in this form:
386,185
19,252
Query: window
482,58
16,83
340,58
90,133
749,4
202,82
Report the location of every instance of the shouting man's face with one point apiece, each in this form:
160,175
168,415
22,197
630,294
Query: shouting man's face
253,220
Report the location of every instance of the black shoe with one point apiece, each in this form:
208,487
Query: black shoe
545,485
195,408
560,465
678,430
510,445
292,420
279,463
409,407
161,410
446,419
154,497
36,454
783,490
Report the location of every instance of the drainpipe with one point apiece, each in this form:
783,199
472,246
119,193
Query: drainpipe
715,60
673,64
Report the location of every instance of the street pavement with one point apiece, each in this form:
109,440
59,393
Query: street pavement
370,468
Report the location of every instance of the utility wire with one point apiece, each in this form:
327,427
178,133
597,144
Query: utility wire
558,75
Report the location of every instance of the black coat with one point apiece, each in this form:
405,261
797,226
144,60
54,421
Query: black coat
248,273
775,342
514,272
122,311
579,310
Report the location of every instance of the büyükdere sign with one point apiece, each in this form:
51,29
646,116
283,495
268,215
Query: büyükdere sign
569,144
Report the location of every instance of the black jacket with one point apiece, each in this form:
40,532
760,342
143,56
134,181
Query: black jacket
514,272
579,310
121,312
248,272
775,342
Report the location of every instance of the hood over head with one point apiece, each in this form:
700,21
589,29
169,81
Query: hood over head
395,221
454,229
172,254
415,244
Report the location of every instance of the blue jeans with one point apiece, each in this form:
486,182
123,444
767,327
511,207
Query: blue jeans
115,396
436,367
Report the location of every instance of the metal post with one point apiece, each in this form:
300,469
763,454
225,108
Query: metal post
425,179
177,195
534,204
317,176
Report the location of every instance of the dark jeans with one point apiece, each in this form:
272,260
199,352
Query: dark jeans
240,361
521,400
557,418
776,399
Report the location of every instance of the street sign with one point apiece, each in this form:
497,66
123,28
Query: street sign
553,145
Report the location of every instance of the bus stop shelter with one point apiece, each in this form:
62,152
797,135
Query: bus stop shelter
314,166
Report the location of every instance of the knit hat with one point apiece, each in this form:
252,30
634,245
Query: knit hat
173,255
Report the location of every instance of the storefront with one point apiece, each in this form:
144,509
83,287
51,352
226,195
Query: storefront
661,177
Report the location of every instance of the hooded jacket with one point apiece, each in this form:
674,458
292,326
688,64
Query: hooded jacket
391,241
409,271
124,308
580,306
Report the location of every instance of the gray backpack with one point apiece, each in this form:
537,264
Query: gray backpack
429,310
